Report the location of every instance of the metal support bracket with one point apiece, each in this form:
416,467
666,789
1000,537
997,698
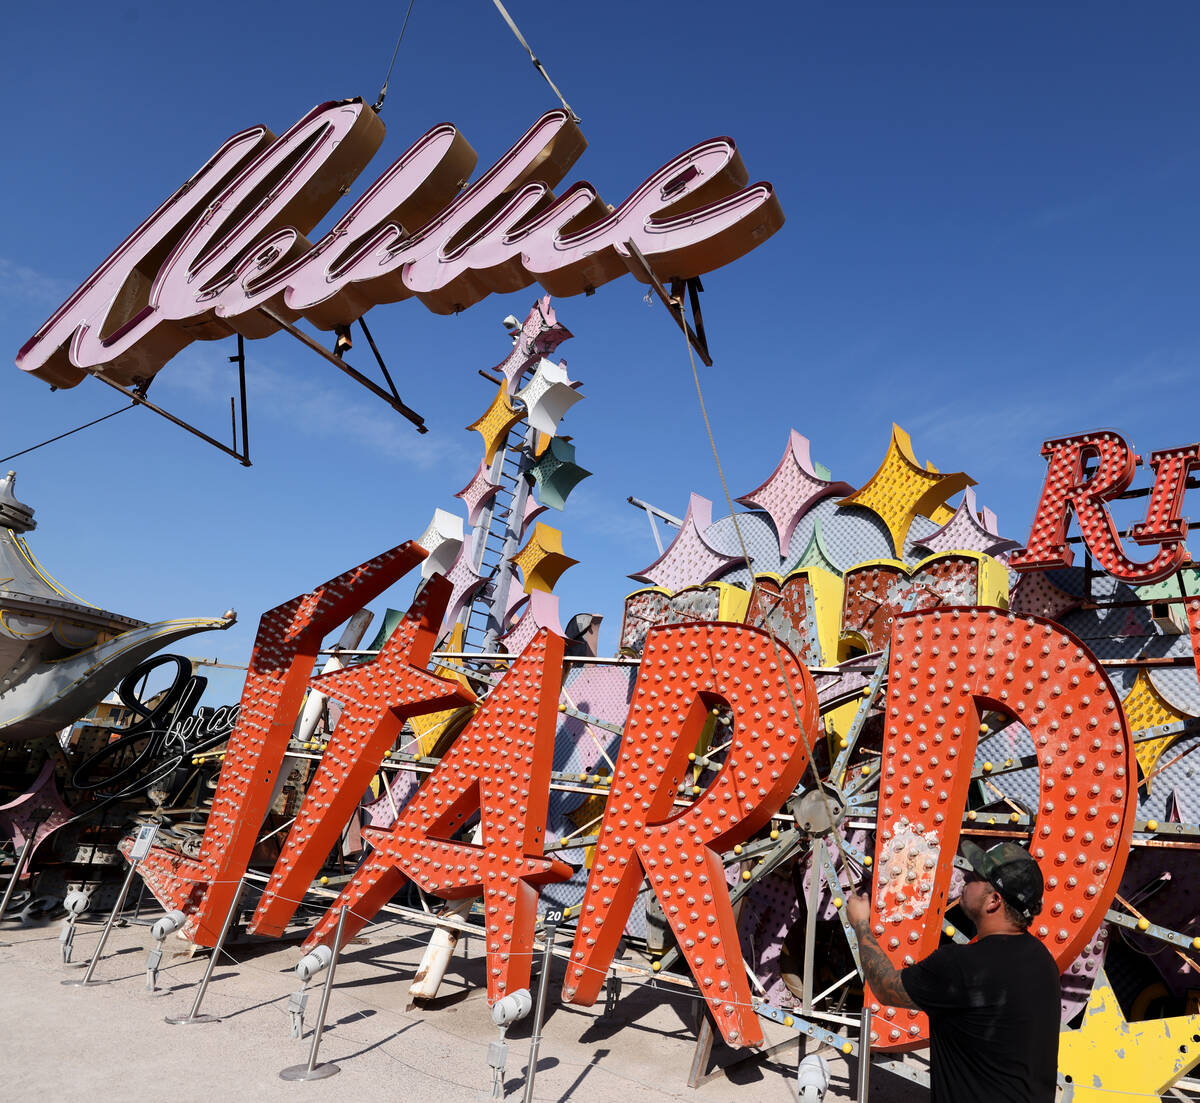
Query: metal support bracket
674,301
137,395
392,399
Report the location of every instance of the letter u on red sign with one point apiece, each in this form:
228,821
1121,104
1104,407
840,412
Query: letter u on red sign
944,666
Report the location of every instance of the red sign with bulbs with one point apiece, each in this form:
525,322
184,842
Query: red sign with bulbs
946,665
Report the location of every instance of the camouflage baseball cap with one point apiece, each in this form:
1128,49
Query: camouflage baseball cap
1011,871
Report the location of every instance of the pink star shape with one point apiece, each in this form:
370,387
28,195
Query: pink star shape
792,490
969,530
689,560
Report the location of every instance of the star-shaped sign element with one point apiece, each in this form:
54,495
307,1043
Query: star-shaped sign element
556,473
1110,1060
478,492
378,697
548,396
541,560
442,540
465,582
500,765
1144,708
901,489
970,529
795,486
540,334
690,560
495,422
542,613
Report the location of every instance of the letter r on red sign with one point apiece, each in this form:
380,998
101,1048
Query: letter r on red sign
685,671
1069,488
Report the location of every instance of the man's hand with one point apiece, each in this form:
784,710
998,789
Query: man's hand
858,908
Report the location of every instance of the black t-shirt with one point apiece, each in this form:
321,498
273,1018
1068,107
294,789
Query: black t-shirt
994,1011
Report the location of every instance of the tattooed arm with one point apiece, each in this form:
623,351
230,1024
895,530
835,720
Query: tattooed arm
881,974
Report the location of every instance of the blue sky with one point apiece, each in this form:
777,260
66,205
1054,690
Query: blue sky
990,239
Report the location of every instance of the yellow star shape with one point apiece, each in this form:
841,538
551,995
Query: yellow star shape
902,488
1109,1060
1145,708
542,560
495,422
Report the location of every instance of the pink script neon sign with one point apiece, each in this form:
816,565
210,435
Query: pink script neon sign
232,239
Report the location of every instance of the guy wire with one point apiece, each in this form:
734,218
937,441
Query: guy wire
532,57
377,106
737,528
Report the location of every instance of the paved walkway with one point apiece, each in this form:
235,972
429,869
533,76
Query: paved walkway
110,1042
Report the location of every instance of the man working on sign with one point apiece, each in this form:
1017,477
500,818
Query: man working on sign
993,1005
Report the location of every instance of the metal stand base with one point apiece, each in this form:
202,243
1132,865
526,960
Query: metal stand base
82,982
183,1020
303,1072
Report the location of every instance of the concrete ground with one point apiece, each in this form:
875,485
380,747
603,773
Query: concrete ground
110,1042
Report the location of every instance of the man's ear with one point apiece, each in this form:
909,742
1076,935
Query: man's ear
995,902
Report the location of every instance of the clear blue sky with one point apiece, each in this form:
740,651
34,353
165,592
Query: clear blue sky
992,225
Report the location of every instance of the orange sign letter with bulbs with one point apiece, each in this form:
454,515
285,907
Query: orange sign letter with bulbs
945,666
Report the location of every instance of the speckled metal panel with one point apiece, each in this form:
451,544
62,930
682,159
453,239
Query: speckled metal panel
919,531
37,811
851,534
1178,685
699,604
643,610
875,593
815,555
758,536
784,611
466,582
478,492
852,675
1171,587
646,608
540,334
1037,594
1012,741
542,612
382,812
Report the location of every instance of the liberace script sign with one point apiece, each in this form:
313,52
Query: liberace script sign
231,241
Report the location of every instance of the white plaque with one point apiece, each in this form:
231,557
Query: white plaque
143,842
